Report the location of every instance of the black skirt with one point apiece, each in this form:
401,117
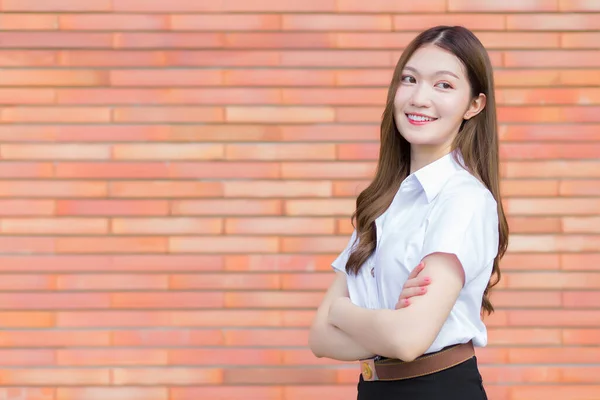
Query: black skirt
461,382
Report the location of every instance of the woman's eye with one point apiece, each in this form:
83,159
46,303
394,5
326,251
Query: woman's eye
444,85
408,79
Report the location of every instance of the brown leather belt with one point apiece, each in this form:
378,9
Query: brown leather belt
393,369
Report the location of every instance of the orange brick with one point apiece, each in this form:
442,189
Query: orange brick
562,96
502,5
27,96
61,226
113,393
281,226
167,300
320,207
30,358
525,77
543,318
51,189
580,40
579,188
267,299
32,393
554,355
580,77
550,243
168,114
228,318
553,206
581,336
107,170
27,245
114,357
27,207
24,169
54,152
111,244
224,133
337,96
581,225
53,338
304,357
26,319
545,22
368,40
279,376
578,5
357,114
27,282
29,58
279,40
522,187
420,22
224,244
324,170
167,77
534,224
280,151
162,151
511,337
95,96
233,356
157,188
50,376
586,262
339,58
166,226
278,6
266,337
520,40
278,77
112,207
222,170
548,114
56,114
285,189
168,40
363,151
333,133
28,22
221,58
346,6
335,22
167,337
543,133
534,392
108,22
551,58
344,226
111,282
55,40
111,319
226,22
226,392
553,280
166,376
226,207
581,299
349,188
224,281
279,262
313,244
27,301
553,169
113,58
59,5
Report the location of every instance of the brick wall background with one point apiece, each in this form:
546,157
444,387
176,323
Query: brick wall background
177,176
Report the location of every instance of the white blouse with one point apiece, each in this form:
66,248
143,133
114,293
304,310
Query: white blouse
439,208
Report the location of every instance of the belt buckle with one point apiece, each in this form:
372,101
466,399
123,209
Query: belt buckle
368,371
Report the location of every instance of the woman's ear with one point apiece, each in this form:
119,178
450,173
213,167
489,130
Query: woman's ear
476,106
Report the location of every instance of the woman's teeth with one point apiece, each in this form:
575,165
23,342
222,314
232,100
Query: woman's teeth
419,118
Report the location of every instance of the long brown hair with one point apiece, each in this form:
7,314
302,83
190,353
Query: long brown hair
477,141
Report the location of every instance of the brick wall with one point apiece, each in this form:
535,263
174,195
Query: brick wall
177,176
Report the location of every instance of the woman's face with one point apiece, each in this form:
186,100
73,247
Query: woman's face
433,98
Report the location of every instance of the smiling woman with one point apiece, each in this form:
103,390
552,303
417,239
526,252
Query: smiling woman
434,201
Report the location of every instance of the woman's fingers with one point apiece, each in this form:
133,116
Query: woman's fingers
412,291
420,281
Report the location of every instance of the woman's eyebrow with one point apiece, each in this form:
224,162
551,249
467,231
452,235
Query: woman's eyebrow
440,72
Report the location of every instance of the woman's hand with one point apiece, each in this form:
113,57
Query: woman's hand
415,285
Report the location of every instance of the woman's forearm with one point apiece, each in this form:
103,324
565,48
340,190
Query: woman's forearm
331,342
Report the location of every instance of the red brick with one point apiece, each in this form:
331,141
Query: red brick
112,22
55,40
234,357
316,244
26,319
27,96
226,207
337,132
225,133
37,300
112,58
578,5
53,338
580,77
349,188
27,282
267,299
502,5
29,358
357,114
228,318
552,243
581,299
54,226
553,169
222,58
545,22
534,225
221,170
553,206
320,207
266,337
114,357
29,58
162,151
375,40
551,59
278,376
553,280
280,226
363,151
339,58
379,6
581,225
113,393
280,77
542,133
278,6
551,318
562,96
581,336
580,188
169,40
167,300
335,22
111,319
29,393
51,189
522,187
59,5
27,244
168,114
337,96
580,40
93,282
279,262
512,337
525,77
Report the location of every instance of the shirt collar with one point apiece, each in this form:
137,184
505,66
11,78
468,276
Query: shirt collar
434,176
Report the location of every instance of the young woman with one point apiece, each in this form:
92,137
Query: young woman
433,205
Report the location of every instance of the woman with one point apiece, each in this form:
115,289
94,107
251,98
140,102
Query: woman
434,202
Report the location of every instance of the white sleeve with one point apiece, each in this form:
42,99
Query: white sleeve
339,264
466,226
